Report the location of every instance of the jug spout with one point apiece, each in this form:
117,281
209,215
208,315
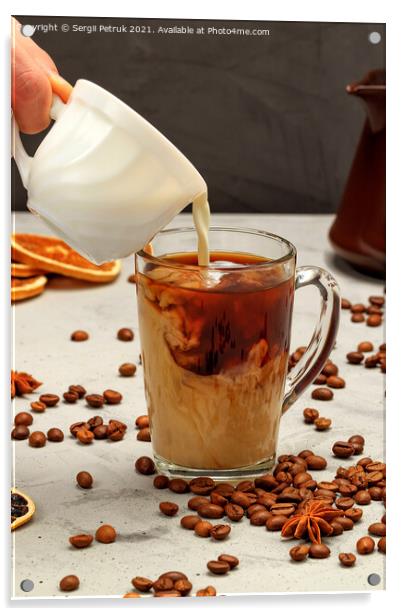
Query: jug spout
371,90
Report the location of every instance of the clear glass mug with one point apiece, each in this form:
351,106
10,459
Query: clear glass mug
215,342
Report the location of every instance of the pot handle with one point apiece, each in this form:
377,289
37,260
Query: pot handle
61,93
324,335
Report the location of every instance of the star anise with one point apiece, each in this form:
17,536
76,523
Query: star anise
23,383
313,518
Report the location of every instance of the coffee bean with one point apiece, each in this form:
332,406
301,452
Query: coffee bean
38,407
79,336
346,523
161,482
299,552
371,361
55,435
226,489
336,382
310,415
354,357
319,550
164,594
377,300
347,560
112,397
218,499
347,489
189,521
23,419
342,449
78,426
330,369
218,567
183,586
365,545
321,379
316,463
145,466
132,278
69,583
106,534
374,310
365,347
255,508
345,304
169,509
84,480
70,397
179,486
211,511
142,421
344,502
37,439
259,518
362,497
203,529
127,369
85,436
49,399
378,528
20,433
375,493
374,320
163,584
174,576
300,478
276,522
322,393
357,317
266,482
78,389
354,513
144,435
81,541
356,308
356,438
220,531
242,499
125,334
208,591
141,583
100,432
232,561
196,501
234,512
202,485
95,400
337,529
322,423
381,545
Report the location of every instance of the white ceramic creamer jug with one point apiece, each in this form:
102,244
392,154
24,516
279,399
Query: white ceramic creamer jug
104,179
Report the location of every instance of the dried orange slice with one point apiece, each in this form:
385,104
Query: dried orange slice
22,288
20,270
22,508
52,254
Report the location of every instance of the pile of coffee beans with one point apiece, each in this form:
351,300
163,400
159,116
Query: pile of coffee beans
371,314
95,429
169,584
375,360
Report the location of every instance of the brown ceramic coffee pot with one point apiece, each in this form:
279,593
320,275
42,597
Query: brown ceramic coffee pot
358,233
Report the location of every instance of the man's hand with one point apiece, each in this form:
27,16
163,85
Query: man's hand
31,88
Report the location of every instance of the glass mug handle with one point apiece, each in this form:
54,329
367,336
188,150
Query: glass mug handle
324,336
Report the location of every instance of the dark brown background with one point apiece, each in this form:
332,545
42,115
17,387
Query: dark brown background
265,119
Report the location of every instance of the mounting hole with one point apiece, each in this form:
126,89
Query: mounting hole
27,30
374,579
374,38
27,585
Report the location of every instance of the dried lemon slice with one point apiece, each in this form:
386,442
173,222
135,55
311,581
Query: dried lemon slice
22,288
22,508
52,254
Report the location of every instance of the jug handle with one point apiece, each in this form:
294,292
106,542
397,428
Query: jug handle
61,93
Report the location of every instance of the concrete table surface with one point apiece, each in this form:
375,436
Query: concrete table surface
149,543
